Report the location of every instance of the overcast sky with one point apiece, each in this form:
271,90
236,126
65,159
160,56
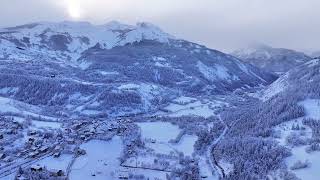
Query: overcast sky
220,24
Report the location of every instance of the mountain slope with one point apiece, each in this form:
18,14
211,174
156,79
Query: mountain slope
79,69
277,60
282,131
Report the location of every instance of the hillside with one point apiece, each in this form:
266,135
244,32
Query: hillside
276,60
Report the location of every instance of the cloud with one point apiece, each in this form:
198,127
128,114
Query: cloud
220,24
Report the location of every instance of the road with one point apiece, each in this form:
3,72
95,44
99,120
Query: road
212,160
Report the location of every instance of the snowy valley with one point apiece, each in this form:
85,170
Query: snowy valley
115,101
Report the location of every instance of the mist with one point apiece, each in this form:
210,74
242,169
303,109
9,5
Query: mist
224,25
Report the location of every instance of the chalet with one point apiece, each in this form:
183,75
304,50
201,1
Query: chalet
57,172
2,156
21,178
80,152
33,154
32,133
57,148
57,154
123,175
31,140
7,159
71,141
83,137
43,149
36,168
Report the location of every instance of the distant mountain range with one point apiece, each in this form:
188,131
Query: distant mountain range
80,69
277,60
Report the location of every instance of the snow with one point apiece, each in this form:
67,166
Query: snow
60,163
227,167
310,173
129,86
205,170
45,124
105,73
151,174
202,110
313,62
155,130
108,36
312,108
7,106
275,88
184,100
192,107
9,177
213,73
299,152
185,145
101,160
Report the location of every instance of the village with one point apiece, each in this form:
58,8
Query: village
120,148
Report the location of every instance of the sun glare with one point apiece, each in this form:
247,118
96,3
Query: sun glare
74,9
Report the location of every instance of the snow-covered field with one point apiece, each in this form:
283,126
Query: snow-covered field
160,131
60,163
185,145
44,124
100,162
186,106
205,170
8,105
312,109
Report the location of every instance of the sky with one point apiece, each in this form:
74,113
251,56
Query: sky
225,25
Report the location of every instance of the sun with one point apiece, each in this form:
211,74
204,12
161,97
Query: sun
74,9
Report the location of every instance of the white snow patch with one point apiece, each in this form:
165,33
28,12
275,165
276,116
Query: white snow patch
45,124
312,108
185,145
129,86
275,88
214,73
155,130
101,160
195,108
60,163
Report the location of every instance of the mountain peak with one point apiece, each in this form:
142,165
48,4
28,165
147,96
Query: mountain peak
71,38
277,60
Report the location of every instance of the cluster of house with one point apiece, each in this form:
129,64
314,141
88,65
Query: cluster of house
40,172
10,129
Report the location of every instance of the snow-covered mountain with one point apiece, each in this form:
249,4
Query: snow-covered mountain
285,125
315,54
70,39
302,76
77,67
277,60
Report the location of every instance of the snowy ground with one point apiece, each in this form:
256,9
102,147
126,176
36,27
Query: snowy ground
185,145
160,131
8,105
101,160
60,163
44,124
205,170
187,106
312,109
